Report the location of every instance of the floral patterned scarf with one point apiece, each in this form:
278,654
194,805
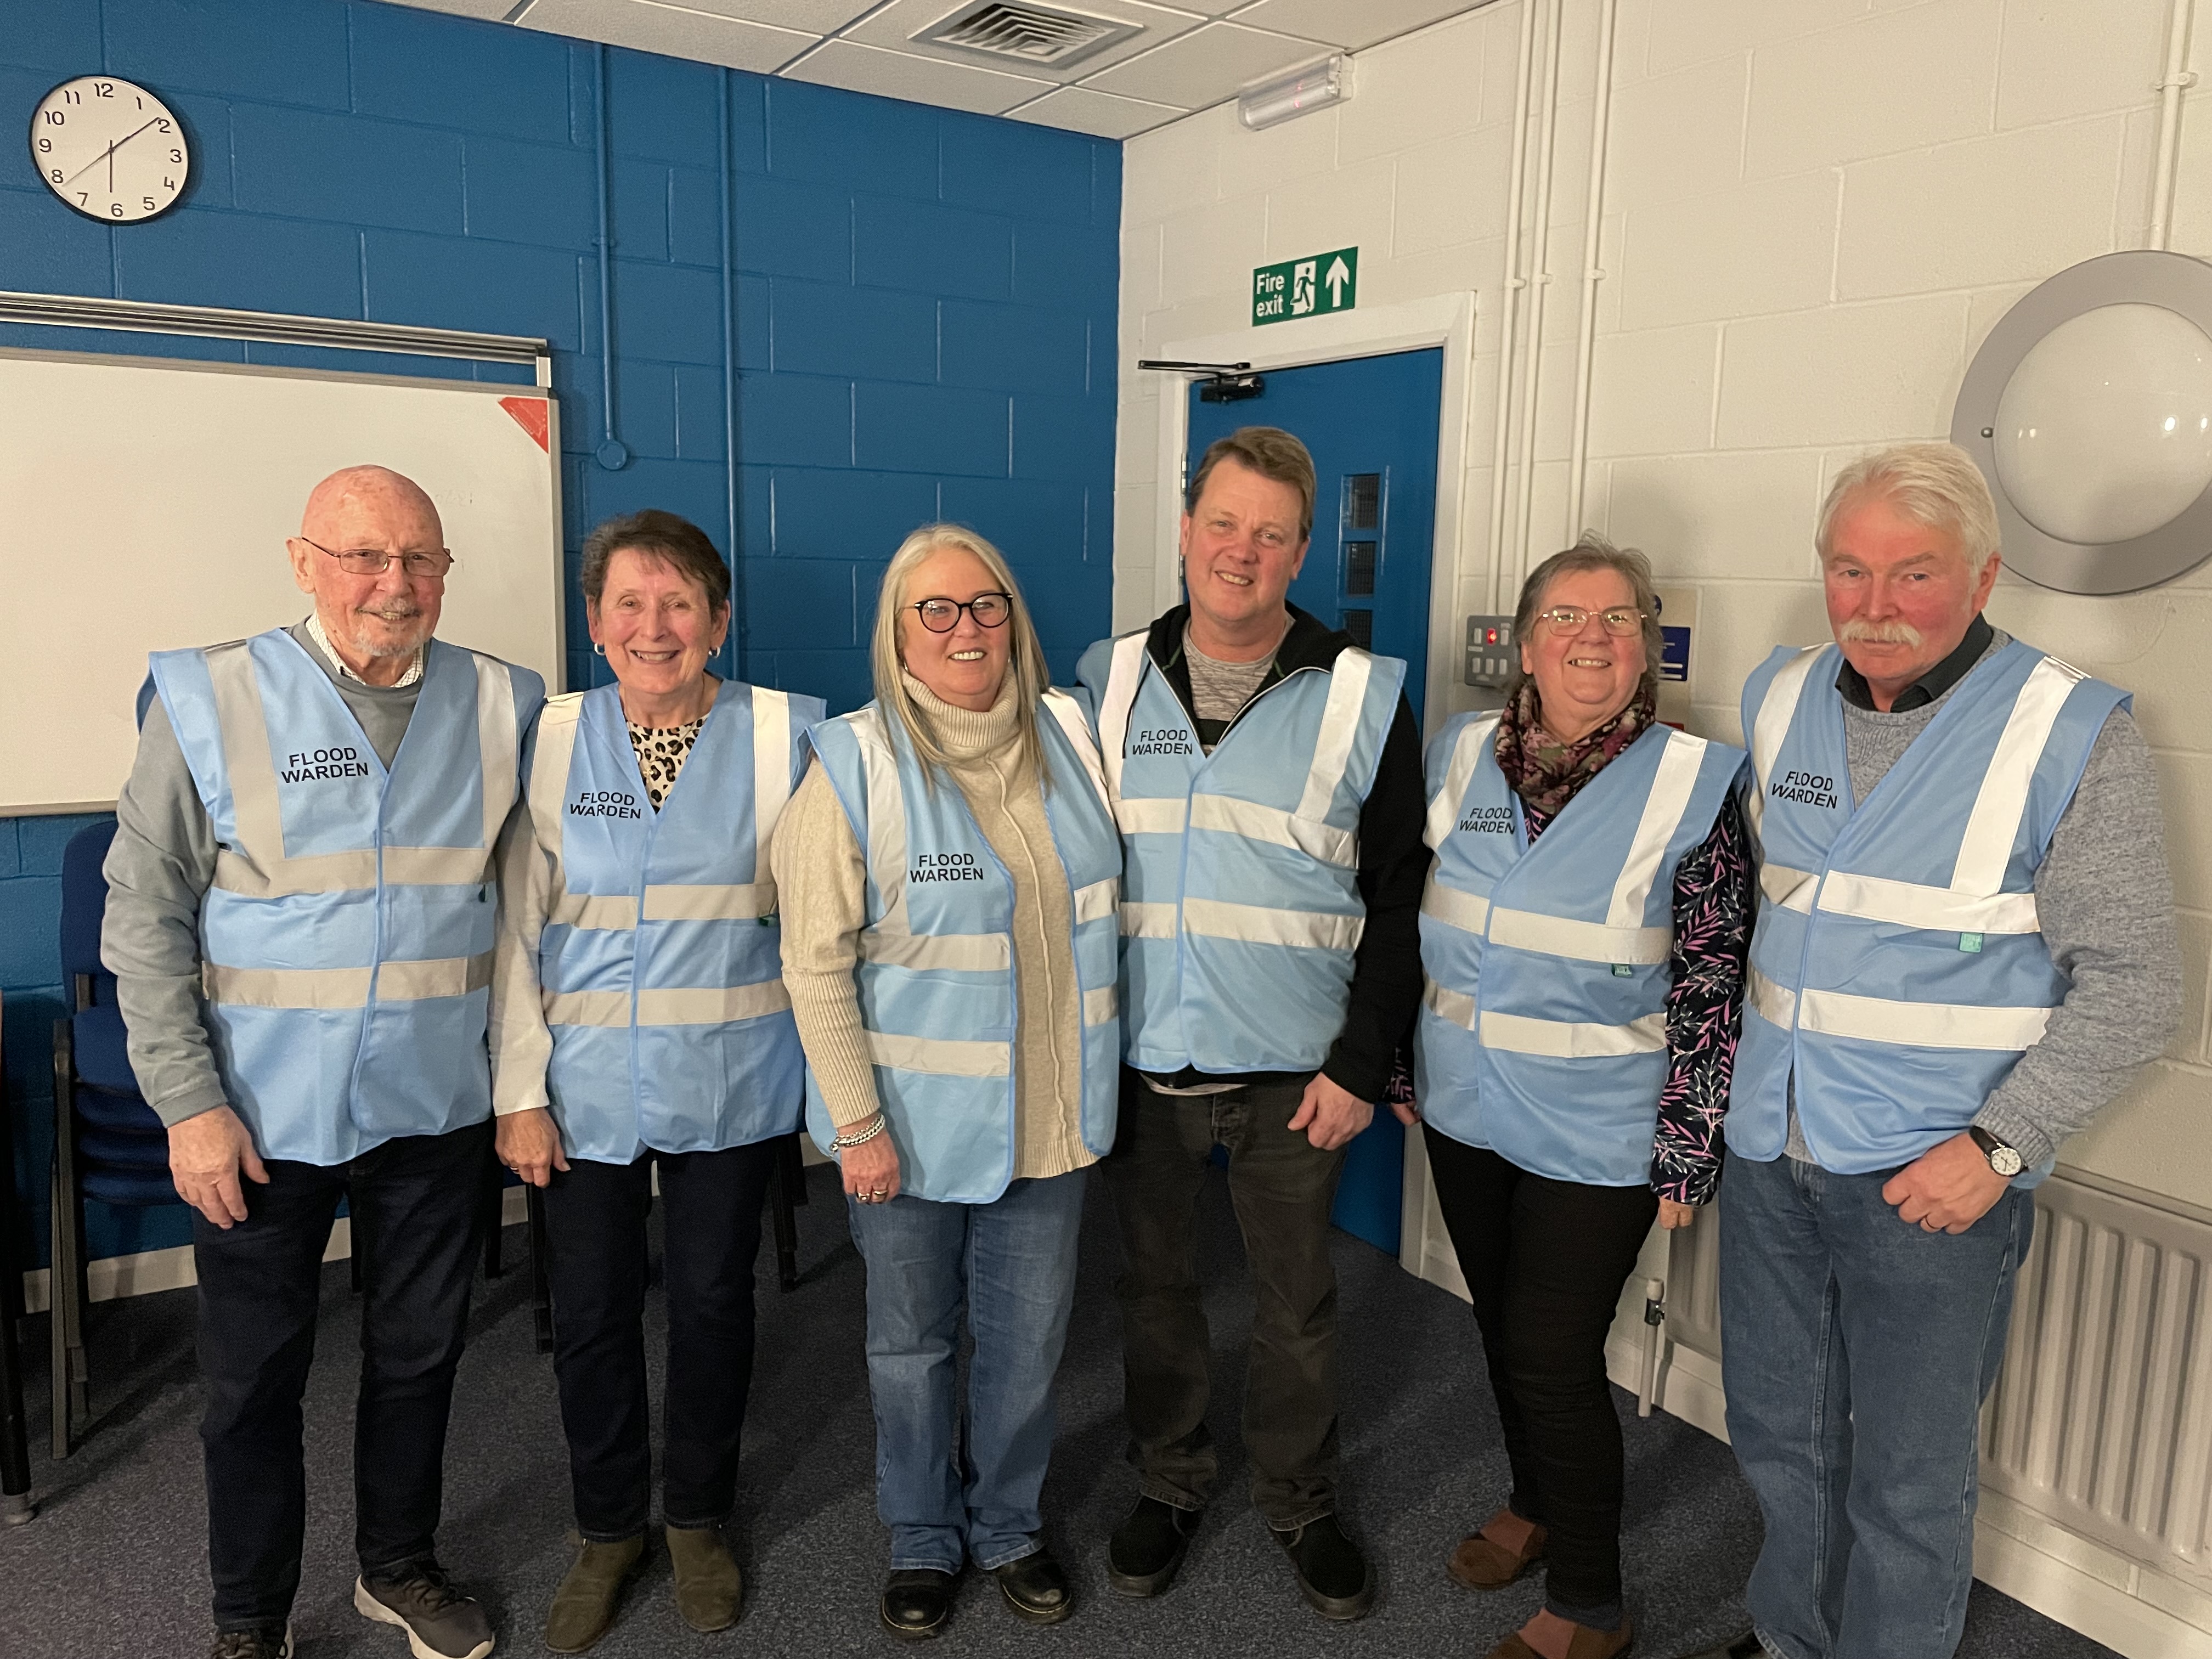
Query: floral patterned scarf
1546,773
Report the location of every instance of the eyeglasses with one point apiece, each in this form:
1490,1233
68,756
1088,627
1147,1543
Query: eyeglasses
1569,619
374,561
943,616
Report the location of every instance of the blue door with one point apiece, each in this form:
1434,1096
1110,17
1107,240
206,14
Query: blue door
1371,425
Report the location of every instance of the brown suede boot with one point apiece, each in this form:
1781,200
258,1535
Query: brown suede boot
584,1606
1484,1563
709,1587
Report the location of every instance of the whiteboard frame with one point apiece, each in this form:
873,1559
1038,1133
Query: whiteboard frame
281,372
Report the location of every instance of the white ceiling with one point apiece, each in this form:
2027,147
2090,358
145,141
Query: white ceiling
1185,56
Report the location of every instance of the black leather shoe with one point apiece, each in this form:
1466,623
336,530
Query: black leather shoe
1146,1549
1746,1646
1332,1572
1036,1588
917,1601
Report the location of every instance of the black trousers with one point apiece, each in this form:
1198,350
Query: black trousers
1546,1261
416,1205
1282,1189
595,1236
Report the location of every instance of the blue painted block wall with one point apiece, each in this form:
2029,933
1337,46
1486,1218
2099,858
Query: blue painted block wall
925,300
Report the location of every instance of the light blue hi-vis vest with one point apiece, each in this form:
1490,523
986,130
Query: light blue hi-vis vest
1897,970
1240,904
937,988
660,959
1542,1033
346,943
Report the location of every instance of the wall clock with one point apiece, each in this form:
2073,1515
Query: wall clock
110,150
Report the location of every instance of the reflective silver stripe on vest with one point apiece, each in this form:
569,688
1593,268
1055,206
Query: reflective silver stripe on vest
1259,923
1885,1020
613,913
1986,849
1148,920
942,1056
1465,911
1679,762
737,901
886,847
1583,941
950,953
1792,889
1772,725
1467,755
1339,723
1115,703
1101,1006
499,751
553,755
1151,815
1095,901
340,988
1561,1039
709,1005
1310,836
344,872
1909,904
771,793
1456,1007
1068,713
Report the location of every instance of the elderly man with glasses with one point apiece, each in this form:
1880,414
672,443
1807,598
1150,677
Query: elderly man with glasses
301,925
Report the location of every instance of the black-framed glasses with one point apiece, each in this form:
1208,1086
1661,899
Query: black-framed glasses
374,561
1619,621
943,616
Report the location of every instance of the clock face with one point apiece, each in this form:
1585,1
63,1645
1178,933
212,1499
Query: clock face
111,151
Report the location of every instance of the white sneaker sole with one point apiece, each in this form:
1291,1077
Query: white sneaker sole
369,1607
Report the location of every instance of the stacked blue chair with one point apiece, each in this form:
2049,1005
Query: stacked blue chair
108,1144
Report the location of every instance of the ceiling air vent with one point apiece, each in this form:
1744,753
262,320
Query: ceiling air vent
1045,37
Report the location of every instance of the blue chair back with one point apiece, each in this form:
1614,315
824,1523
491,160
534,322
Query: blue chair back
84,904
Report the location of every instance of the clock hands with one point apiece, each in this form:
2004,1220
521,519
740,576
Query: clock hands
108,157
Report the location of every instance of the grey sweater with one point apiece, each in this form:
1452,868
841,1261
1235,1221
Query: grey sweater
2106,906
159,868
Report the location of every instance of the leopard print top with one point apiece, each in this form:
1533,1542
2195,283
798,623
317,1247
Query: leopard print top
660,755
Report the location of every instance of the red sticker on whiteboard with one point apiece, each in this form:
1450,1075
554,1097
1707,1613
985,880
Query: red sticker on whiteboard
532,415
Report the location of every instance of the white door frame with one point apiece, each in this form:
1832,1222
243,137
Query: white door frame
1445,320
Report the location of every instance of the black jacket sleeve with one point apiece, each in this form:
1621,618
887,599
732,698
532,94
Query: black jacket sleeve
1393,867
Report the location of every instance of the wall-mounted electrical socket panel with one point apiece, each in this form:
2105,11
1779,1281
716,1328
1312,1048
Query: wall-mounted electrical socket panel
1491,656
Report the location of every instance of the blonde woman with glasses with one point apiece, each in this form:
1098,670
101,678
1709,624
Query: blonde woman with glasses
948,873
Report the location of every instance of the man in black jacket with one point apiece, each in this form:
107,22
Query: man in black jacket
1267,774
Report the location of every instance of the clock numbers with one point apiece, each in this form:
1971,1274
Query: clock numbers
110,150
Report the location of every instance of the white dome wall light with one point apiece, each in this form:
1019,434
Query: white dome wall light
2089,411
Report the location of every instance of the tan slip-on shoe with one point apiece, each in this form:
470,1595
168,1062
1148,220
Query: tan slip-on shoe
583,1609
1484,1563
710,1587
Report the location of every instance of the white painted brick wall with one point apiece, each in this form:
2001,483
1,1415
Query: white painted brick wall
1815,211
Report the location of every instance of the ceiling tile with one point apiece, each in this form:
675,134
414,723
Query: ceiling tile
1354,26
813,16
676,30
898,23
922,80
490,10
1206,66
1100,114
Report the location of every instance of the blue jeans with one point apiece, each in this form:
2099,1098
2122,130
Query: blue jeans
1011,1264
1856,1352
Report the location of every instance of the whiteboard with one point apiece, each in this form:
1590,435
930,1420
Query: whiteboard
145,504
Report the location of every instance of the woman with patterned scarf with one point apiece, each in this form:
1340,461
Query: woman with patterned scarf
1582,936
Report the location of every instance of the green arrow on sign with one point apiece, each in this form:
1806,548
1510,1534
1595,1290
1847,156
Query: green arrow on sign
1311,287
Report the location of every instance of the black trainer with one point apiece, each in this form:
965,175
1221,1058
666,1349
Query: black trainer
916,1603
1036,1588
269,1643
441,1622
1146,1550
1332,1572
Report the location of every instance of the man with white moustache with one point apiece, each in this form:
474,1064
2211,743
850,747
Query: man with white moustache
300,920
1965,948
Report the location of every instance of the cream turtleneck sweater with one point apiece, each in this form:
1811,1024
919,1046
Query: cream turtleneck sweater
820,880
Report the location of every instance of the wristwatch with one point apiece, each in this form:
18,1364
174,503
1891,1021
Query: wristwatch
2005,1160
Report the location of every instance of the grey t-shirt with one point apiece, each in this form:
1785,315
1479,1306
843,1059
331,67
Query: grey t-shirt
1219,690
160,867
2106,905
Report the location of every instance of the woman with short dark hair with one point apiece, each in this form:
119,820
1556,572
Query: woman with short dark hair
640,1024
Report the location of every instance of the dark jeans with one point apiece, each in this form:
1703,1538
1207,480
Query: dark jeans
1281,1188
415,1204
1856,1352
1544,1260
595,1260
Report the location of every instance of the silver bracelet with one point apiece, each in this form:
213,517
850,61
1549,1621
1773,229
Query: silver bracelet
843,1142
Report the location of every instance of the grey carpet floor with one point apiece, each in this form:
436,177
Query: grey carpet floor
113,1566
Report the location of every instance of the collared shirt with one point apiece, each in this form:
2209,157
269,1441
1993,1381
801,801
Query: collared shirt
1930,685
322,644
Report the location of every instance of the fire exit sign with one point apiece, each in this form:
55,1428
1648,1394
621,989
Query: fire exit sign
1311,287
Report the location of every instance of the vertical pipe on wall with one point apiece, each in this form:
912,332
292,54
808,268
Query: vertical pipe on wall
2177,80
1593,214
612,454
737,639
1501,450
1540,279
